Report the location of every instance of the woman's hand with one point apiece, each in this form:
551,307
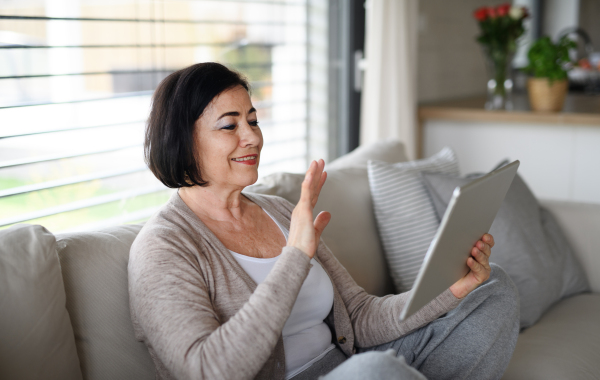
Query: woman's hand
304,232
479,263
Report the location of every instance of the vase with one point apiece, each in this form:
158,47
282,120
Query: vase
546,97
499,85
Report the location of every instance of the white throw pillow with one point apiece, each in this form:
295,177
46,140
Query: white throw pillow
405,217
36,337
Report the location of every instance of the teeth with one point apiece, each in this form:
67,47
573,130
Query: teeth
244,158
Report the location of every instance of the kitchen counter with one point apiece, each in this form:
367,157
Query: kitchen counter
579,109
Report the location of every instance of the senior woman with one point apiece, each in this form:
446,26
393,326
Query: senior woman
231,285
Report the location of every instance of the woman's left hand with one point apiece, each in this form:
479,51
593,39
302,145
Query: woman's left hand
479,263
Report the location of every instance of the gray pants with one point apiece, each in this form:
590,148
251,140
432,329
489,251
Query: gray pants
474,341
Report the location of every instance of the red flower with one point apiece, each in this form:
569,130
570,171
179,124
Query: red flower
480,14
491,12
502,10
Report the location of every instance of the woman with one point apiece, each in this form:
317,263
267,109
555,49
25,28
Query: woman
228,285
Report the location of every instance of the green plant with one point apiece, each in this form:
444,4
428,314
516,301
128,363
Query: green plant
549,60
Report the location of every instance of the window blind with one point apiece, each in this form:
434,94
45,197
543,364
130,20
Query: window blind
76,80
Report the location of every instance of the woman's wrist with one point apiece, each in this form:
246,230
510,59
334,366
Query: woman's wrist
304,250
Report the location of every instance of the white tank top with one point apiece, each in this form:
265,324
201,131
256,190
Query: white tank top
306,338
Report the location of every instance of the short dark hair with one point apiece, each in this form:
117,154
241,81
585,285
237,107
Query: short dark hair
179,100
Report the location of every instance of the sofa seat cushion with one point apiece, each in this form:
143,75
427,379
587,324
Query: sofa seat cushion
94,267
563,344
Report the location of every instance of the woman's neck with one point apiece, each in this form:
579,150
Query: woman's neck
216,204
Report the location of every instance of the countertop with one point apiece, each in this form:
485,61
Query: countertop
579,109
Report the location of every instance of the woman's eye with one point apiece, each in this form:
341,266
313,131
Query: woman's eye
253,123
229,127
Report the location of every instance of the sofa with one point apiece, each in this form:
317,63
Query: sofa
65,310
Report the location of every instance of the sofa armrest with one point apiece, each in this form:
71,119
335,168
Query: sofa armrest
581,224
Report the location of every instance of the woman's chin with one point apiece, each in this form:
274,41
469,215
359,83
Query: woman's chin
248,180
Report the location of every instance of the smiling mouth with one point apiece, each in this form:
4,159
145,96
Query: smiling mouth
246,158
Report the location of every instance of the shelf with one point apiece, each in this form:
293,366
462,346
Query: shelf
579,110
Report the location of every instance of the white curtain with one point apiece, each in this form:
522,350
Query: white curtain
389,98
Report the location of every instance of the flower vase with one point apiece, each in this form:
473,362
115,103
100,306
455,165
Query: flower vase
500,84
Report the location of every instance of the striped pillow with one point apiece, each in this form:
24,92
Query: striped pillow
405,216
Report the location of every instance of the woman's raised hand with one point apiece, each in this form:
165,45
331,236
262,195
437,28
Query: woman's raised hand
479,263
304,232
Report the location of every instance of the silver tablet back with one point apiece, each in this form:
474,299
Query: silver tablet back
468,217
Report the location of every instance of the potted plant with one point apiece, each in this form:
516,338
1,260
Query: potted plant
548,66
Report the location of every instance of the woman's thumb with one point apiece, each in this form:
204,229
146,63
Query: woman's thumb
321,222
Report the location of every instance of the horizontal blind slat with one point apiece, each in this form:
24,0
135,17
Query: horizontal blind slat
70,129
54,157
69,181
140,20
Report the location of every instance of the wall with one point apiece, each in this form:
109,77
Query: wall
560,164
589,19
450,62
558,16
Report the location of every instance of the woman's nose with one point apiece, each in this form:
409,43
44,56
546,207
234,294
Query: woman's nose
250,136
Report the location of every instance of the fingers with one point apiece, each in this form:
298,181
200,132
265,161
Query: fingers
483,247
305,193
319,181
475,266
481,270
481,255
313,182
489,239
321,222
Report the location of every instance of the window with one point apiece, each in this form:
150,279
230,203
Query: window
77,76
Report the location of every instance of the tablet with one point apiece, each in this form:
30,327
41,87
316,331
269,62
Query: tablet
468,217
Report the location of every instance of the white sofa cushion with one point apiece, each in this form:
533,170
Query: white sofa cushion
563,344
36,337
352,233
94,266
405,217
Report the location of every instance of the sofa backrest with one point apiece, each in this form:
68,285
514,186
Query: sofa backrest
580,223
94,268
94,264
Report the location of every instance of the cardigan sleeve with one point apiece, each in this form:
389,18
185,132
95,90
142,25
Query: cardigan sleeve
172,307
376,320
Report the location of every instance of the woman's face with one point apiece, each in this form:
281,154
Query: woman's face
229,140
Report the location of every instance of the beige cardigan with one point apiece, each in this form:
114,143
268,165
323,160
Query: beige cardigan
202,317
